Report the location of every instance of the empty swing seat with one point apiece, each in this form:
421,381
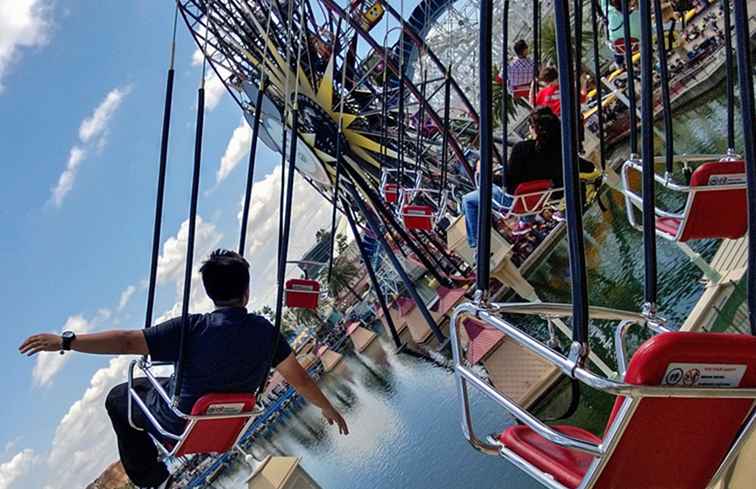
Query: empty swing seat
391,192
667,442
216,435
711,213
302,292
418,217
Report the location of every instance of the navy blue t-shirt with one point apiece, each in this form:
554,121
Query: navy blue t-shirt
228,350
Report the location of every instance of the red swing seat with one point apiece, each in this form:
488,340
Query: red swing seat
531,197
521,91
216,435
618,45
418,217
390,192
668,443
711,214
302,292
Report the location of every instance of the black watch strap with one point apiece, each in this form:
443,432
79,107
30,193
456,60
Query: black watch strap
67,339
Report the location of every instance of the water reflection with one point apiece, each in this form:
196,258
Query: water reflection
403,411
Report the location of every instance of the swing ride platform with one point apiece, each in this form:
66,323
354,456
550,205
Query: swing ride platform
730,262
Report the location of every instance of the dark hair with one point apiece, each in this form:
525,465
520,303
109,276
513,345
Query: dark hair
548,74
520,47
617,4
225,276
547,128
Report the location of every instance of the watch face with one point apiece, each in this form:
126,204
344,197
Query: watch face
68,334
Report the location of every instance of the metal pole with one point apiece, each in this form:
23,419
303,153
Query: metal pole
573,196
485,191
408,284
647,154
730,67
745,74
599,86
160,197
630,71
251,167
669,146
371,274
190,239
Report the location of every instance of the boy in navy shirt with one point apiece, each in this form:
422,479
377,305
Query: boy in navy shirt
227,350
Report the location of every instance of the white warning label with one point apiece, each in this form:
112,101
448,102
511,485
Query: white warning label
703,375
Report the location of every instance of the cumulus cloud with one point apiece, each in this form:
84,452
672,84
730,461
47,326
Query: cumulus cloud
214,87
84,444
237,148
16,468
92,132
310,212
23,24
48,364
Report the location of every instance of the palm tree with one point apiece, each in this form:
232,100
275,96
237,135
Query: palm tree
499,92
343,274
549,42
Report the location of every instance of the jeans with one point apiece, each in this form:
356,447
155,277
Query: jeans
139,455
470,204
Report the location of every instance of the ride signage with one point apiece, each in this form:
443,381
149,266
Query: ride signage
703,375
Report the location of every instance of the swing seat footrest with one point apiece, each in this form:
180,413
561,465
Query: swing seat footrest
566,466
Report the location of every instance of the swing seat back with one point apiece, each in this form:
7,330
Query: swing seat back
216,424
716,213
661,442
530,197
618,45
418,217
521,91
302,292
391,192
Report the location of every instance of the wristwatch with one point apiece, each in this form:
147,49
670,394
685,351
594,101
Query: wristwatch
66,338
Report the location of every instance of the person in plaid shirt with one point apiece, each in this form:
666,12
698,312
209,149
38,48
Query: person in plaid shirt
520,70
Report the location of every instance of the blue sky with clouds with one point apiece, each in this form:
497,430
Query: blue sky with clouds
81,103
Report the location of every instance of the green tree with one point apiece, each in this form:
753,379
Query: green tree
343,274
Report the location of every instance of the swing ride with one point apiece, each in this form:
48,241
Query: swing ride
378,108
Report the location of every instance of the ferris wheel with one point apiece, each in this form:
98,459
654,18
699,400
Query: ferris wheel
354,86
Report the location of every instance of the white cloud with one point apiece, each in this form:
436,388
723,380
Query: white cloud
97,123
214,87
23,24
126,295
67,178
93,127
237,148
16,468
310,212
172,261
48,364
84,444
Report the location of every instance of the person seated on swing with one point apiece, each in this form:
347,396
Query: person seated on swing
616,25
537,158
548,96
227,350
520,71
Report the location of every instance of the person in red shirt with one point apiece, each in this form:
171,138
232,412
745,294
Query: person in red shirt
548,96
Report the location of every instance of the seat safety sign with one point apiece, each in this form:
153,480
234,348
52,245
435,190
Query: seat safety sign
703,375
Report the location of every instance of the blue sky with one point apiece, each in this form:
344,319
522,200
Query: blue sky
82,88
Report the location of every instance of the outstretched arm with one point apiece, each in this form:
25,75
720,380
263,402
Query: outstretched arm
298,378
114,342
